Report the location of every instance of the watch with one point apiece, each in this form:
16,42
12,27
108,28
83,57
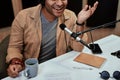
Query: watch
80,24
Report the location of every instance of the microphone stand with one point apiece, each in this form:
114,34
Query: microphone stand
75,36
98,27
95,47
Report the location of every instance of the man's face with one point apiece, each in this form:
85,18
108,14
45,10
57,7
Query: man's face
55,7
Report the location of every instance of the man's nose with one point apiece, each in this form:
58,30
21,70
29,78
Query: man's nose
59,2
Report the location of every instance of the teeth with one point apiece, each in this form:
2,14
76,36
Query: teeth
58,8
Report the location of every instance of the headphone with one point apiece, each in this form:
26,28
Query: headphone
106,75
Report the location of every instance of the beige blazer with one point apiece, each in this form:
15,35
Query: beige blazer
26,34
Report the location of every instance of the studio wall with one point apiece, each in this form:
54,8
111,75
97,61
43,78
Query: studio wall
106,12
6,13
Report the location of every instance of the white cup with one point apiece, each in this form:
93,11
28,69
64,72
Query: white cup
31,67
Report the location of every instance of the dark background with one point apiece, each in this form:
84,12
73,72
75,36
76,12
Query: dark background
75,5
106,11
6,13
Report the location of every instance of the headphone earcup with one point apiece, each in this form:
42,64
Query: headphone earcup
116,74
105,75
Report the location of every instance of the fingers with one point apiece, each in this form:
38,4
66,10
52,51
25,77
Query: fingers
13,70
95,4
94,7
12,73
85,8
90,10
86,12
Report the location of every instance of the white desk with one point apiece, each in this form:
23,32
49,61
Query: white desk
64,66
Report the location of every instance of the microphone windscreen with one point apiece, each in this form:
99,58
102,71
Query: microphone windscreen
62,26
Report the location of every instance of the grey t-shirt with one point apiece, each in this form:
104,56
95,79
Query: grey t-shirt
48,46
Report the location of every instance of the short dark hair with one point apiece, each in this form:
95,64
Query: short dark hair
42,2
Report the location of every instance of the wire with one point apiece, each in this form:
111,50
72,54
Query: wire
91,37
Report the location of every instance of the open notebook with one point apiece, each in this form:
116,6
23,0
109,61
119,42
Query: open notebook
90,59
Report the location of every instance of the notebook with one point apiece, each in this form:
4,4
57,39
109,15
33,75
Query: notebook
90,59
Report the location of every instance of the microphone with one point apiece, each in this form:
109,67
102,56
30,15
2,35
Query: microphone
116,53
73,34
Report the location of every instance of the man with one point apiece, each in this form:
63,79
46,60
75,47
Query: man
35,33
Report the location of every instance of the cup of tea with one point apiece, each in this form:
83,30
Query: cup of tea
31,67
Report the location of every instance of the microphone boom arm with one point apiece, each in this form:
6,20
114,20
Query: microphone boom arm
101,26
95,47
74,35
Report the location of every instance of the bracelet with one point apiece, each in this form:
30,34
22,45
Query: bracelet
17,61
79,24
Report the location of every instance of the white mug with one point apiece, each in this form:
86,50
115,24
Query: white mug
31,67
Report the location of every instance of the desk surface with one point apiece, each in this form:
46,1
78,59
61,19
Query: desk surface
64,68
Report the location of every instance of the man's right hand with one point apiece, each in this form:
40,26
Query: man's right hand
14,69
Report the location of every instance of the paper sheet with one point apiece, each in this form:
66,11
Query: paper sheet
58,76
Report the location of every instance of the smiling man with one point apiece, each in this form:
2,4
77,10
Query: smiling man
35,33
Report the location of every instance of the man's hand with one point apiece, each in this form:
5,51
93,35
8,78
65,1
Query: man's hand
13,70
86,12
